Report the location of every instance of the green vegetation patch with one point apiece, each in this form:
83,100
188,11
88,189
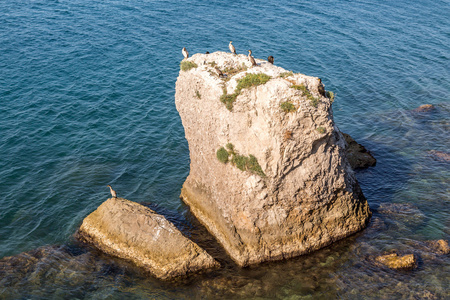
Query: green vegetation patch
230,147
321,130
228,100
248,81
222,155
252,80
305,92
287,107
233,71
197,94
254,167
330,95
242,162
187,65
286,74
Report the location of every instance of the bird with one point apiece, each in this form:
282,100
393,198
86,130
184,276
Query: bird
270,59
113,192
320,88
185,52
219,72
207,52
232,49
251,59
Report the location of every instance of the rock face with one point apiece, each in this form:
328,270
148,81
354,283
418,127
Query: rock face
134,232
287,188
357,154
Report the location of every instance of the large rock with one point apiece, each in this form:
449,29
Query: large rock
298,192
134,232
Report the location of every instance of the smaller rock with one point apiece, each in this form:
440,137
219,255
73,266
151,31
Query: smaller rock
394,261
425,108
439,246
134,232
357,155
439,155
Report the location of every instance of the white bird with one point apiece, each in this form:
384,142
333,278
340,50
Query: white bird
113,192
232,49
251,59
185,52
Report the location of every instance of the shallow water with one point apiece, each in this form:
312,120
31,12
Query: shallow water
87,93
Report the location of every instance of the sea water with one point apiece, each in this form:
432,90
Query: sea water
87,99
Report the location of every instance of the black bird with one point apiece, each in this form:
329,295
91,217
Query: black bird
270,59
321,88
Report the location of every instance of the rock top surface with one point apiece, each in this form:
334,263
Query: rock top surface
134,232
304,196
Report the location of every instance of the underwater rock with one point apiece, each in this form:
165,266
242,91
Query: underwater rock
440,155
406,212
134,232
376,225
439,246
394,261
269,177
425,108
48,265
429,251
357,154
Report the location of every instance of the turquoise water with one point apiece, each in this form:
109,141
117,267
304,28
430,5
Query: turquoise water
87,99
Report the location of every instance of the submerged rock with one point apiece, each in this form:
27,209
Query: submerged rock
439,155
429,251
405,212
357,154
46,266
424,108
131,231
439,246
394,261
268,175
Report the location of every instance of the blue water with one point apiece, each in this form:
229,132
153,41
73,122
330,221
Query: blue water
87,99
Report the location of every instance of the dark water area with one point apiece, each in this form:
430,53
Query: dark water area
87,99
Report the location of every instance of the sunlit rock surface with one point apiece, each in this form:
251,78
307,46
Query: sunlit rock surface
134,232
307,197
